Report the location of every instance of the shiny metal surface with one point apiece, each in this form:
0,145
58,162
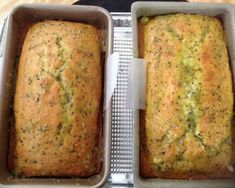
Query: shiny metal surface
122,118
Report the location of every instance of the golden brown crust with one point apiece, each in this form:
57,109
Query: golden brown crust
58,102
186,132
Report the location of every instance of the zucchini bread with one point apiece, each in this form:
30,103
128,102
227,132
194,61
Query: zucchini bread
58,102
185,130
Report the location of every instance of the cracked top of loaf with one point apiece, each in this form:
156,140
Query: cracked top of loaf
186,127
58,102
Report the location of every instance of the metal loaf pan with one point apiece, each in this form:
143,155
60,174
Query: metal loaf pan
225,13
18,22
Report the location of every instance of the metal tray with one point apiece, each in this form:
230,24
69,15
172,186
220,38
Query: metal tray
226,13
18,20
122,118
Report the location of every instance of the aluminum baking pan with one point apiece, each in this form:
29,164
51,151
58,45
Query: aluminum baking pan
225,13
18,22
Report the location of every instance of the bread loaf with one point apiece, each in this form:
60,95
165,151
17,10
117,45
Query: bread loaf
58,102
186,127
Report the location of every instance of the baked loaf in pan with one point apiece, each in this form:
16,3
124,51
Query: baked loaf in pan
58,102
185,130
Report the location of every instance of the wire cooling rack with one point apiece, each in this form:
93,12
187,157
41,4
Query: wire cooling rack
122,118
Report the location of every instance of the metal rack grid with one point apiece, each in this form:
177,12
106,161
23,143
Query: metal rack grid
122,118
